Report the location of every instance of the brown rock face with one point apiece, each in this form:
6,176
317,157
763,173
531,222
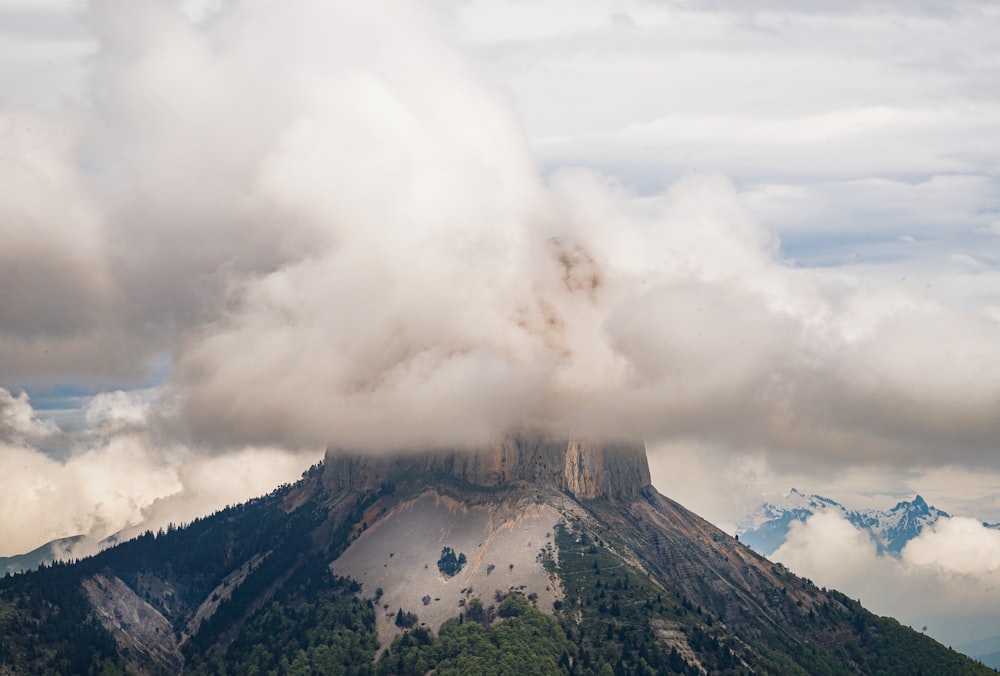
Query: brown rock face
588,470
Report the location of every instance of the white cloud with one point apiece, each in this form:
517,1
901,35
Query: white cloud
123,479
724,486
119,409
877,206
125,485
335,229
18,423
825,538
94,493
338,230
857,120
947,579
959,545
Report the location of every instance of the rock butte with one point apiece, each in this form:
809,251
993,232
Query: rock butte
587,470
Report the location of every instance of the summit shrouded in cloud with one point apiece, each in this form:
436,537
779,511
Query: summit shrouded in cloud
234,232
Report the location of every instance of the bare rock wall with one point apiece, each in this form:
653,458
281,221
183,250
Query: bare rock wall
589,470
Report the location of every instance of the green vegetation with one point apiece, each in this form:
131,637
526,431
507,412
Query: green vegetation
288,614
614,620
405,620
47,626
314,625
525,642
618,618
449,564
881,645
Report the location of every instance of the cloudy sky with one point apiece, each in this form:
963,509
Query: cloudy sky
763,236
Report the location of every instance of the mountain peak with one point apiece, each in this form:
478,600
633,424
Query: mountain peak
918,506
586,469
768,526
329,570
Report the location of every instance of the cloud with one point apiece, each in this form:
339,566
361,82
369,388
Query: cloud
128,486
334,228
959,545
57,286
113,411
822,539
877,206
955,566
341,229
94,493
18,423
124,479
885,120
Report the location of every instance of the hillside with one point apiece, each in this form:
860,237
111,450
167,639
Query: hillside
530,556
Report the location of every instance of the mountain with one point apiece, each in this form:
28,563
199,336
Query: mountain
55,550
986,651
528,556
767,527
60,549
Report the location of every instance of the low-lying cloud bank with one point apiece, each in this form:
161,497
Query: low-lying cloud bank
121,479
946,581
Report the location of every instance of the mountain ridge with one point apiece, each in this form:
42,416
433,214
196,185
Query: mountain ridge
559,545
586,469
53,550
767,527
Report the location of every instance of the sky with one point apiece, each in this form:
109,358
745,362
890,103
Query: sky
762,236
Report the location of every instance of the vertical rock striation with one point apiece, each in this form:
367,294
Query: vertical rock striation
588,470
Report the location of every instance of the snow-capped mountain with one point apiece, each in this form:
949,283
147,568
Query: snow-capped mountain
767,527
892,529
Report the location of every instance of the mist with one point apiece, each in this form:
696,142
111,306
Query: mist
944,583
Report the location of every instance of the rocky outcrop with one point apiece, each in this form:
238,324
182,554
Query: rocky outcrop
610,470
145,638
588,470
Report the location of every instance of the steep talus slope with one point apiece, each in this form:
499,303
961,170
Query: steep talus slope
146,637
395,557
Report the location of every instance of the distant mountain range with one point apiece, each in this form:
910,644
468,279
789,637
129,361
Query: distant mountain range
986,651
47,553
766,529
60,549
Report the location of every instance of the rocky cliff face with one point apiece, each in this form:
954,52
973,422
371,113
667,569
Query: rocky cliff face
589,470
